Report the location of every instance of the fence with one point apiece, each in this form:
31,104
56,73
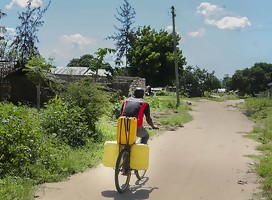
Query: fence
6,67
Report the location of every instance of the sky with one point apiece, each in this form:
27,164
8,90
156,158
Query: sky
217,35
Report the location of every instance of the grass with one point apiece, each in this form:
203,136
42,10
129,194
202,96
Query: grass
176,118
74,161
165,113
12,188
259,110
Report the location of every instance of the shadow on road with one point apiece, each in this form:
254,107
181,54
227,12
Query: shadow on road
134,192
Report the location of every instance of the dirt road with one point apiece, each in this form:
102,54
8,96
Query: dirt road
205,160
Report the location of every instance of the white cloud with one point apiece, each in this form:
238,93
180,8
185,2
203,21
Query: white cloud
169,29
23,3
230,22
76,41
71,46
206,8
199,33
215,15
11,32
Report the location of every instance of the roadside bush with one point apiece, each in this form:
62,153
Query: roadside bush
206,94
65,122
93,97
21,141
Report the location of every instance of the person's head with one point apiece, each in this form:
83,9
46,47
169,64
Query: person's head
138,92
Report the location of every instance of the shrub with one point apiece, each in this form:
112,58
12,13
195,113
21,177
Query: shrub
65,122
161,93
206,94
21,141
94,98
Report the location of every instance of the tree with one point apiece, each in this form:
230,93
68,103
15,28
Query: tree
83,61
226,82
123,37
36,69
252,80
195,81
152,57
2,28
3,43
95,62
26,38
99,63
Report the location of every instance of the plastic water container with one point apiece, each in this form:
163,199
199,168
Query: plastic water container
139,157
111,151
126,130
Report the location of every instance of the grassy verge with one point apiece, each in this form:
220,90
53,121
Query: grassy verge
74,161
260,111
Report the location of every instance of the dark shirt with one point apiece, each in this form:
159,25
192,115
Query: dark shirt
135,107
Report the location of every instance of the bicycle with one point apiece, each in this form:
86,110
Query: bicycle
123,170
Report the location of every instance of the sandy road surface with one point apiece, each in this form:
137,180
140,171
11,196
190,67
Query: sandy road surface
205,160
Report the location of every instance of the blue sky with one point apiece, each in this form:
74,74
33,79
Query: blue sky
219,35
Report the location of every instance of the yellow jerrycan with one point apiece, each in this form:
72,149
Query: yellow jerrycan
111,151
139,157
126,130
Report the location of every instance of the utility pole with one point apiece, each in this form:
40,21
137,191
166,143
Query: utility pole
175,53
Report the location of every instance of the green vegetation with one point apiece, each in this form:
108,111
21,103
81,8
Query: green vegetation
165,112
196,82
251,80
259,110
59,140
152,55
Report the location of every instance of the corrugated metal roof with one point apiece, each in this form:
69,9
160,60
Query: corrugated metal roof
71,71
78,71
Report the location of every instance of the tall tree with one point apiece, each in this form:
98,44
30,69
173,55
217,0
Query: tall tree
83,61
3,43
226,82
252,80
2,28
123,36
195,81
26,37
152,57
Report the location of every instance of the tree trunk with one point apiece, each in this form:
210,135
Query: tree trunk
39,96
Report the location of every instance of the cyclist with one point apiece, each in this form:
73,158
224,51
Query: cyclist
136,106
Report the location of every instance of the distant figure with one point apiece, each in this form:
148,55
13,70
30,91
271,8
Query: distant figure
148,91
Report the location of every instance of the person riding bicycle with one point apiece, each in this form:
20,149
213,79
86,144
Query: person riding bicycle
136,106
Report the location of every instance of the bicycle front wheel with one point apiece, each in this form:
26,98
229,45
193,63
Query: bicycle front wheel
122,171
140,174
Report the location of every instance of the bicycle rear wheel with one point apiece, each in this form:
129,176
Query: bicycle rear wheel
122,171
140,174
